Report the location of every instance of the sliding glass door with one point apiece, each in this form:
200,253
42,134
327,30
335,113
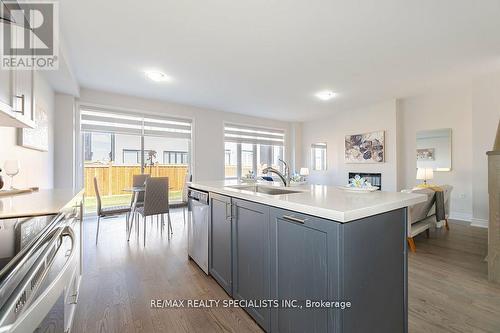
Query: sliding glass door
117,145
168,158
112,158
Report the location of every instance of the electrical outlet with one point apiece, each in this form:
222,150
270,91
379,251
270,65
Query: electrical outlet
462,195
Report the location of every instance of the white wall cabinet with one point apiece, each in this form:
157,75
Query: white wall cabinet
16,93
5,86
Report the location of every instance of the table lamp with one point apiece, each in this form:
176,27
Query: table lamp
425,174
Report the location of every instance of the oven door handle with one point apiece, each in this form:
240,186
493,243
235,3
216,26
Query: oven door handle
8,297
24,254
32,316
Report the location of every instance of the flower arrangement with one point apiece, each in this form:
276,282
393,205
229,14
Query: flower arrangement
358,181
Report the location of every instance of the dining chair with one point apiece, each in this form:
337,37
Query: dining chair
155,202
105,212
139,180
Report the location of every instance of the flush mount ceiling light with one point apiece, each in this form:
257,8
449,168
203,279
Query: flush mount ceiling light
325,95
157,76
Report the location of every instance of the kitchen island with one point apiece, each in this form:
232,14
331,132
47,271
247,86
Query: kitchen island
311,258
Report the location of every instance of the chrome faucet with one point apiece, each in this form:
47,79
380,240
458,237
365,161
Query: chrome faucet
287,170
285,178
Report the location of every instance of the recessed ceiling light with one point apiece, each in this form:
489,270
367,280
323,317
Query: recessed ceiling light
325,95
157,76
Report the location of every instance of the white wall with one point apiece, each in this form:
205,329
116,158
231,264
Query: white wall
208,138
333,130
36,167
64,145
485,118
444,109
471,109
296,158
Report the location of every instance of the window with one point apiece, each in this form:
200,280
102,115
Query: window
318,156
269,156
134,133
118,144
175,157
231,160
228,157
99,147
131,156
250,149
247,155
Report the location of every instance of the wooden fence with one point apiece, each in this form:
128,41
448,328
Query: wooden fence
113,179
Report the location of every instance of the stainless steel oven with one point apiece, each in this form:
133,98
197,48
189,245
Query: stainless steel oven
18,234
39,284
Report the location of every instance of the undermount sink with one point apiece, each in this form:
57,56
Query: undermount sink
264,189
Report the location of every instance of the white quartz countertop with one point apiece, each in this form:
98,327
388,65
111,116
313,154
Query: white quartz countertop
41,202
327,202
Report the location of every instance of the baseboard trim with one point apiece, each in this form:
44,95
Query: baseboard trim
482,223
467,217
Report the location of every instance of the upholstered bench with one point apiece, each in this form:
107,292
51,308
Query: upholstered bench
422,216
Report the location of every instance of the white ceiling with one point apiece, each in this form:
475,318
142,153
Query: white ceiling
269,57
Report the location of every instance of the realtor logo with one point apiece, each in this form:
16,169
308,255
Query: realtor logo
30,35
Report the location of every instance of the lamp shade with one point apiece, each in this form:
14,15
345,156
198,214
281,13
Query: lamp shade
304,172
425,173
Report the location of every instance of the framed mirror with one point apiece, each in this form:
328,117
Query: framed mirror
318,156
434,149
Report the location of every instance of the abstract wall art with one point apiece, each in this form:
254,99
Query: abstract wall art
365,148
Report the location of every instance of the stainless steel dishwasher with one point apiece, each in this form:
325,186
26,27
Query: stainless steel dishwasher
198,227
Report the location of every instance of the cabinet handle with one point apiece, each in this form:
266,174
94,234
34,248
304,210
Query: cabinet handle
228,216
294,219
75,298
22,104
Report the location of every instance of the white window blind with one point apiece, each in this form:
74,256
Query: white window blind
98,119
253,135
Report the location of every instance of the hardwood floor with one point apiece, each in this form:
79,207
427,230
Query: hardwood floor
121,278
448,287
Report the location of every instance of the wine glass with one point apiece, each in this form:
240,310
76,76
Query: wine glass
11,168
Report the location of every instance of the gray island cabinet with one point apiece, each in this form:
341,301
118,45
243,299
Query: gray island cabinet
220,252
259,252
